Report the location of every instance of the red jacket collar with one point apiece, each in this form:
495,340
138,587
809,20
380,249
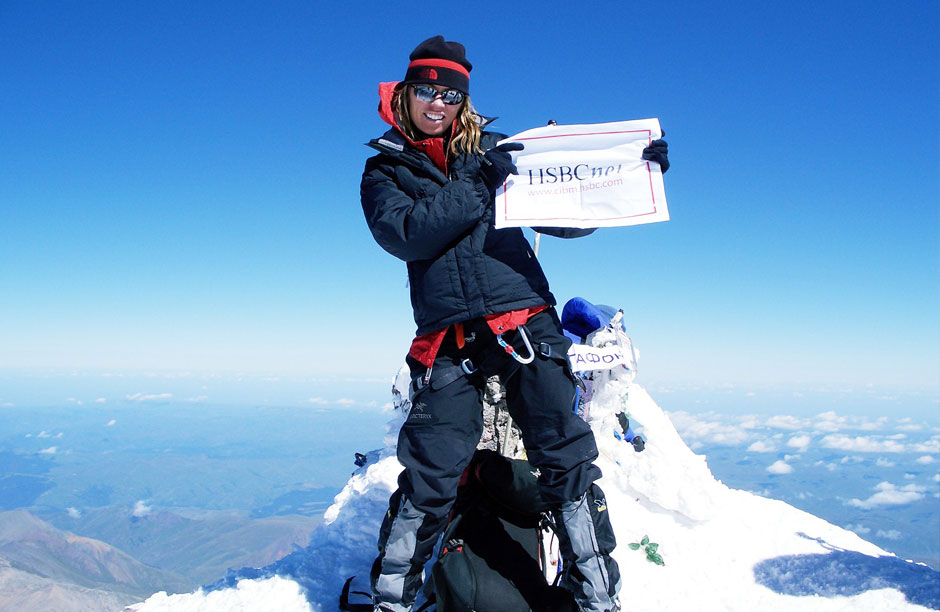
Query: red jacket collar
433,147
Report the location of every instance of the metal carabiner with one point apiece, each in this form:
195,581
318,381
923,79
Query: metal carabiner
512,351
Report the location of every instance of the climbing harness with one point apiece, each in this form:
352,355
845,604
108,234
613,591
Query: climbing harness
467,367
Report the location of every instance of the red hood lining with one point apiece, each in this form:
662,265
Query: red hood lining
433,147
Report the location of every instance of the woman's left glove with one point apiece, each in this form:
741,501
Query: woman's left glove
658,151
497,165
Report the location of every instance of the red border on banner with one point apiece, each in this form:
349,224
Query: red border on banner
649,171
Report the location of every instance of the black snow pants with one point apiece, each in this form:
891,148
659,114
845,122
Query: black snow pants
442,431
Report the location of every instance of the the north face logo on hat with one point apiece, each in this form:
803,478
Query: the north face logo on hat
428,73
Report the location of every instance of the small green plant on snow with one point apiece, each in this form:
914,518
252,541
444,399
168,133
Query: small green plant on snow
650,548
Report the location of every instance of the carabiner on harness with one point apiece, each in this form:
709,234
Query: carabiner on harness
523,332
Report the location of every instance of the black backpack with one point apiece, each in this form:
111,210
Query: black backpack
491,557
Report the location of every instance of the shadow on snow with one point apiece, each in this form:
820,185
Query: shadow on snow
847,573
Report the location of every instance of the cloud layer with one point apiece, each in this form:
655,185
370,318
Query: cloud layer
890,495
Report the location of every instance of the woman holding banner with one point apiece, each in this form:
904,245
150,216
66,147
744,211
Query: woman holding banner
482,306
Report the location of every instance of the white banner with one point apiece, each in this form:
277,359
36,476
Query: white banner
583,357
584,176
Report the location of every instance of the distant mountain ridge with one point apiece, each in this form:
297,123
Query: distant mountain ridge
198,548
21,590
46,567
36,558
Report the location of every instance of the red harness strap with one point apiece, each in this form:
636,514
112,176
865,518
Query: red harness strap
424,348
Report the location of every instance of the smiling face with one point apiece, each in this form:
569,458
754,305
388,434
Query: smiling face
431,118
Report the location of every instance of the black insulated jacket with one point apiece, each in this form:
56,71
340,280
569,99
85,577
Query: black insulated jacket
459,266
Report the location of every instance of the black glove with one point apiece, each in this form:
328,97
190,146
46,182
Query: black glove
497,165
658,152
624,422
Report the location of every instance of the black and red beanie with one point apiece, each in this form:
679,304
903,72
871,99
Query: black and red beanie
438,62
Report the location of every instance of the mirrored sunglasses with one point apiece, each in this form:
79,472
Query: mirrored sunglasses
425,93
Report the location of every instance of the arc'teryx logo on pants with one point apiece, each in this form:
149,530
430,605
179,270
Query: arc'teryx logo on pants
418,414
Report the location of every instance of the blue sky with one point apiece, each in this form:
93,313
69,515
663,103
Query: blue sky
179,182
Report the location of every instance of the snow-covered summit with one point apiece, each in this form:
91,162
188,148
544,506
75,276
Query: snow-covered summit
724,549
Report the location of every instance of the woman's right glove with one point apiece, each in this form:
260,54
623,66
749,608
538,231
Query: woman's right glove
497,165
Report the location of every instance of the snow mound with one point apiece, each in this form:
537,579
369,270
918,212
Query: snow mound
723,549
667,476
274,593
